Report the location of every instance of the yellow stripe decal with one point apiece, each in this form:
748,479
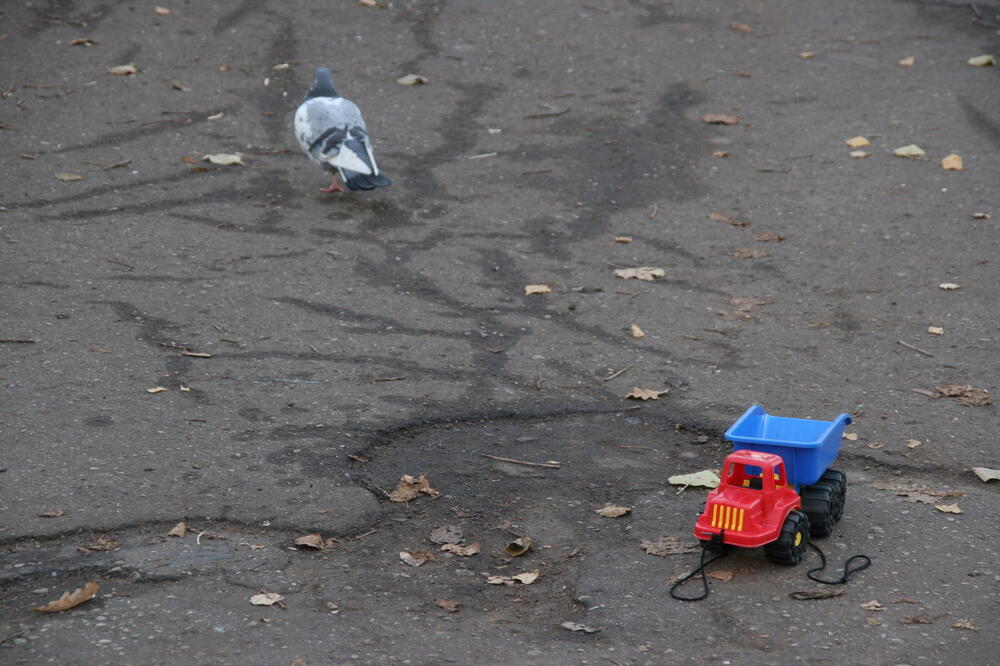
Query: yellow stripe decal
739,527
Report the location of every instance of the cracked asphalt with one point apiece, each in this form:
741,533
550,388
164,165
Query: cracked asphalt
315,348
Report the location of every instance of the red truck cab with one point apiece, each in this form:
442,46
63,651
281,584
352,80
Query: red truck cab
750,504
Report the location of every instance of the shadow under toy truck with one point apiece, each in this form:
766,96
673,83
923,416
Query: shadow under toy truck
776,488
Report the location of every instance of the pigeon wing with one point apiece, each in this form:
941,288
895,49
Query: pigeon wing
329,130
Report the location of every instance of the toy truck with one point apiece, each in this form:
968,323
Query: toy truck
776,489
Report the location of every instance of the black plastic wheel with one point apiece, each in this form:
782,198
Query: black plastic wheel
819,503
838,480
791,543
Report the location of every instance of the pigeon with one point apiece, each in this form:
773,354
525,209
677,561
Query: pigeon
332,132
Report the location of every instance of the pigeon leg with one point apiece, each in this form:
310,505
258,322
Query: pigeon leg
334,186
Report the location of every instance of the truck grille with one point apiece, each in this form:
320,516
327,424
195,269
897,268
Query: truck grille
727,517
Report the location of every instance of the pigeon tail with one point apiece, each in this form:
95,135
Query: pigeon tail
359,181
323,86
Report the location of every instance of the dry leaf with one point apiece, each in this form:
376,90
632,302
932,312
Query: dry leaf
948,508
949,286
536,289
874,621
728,219
218,116
103,544
162,11
740,27
722,574
450,606
719,119
911,150
178,530
768,237
913,443
980,216
644,273
906,62
873,605
636,331
185,389
952,162
281,67
669,545
613,511
518,546
720,153
646,394
858,142
527,578
70,599
747,253
447,534
623,239
156,389
576,626
83,41
969,396
124,70
195,354
253,546
69,177
964,623
916,619
266,598
368,3
499,580
464,551
58,513
806,55
875,445
935,330
986,474
811,595
224,159
706,478
986,60
859,154
417,558
852,436
332,607
311,541
411,80
411,486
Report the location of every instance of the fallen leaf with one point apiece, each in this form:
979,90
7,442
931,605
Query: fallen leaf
536,289
180,86
806,55
518,546
952,162
499,580
417,558
448,605
613,511
69,177
949,286
156,389
768,237
124,70
964,623
623,239
669,545
224,159
906,62
916,619
368,3
948,508
720,153
873,605
411,486
706,478
875,445
969,396
281,67
644,273
576,626
646,394
411,80
218,116
986,60
911,150
852,436
858,142
464,551
70,599
185,389
986,474
728,219
253,546
859,154
195,354
905,600
161,11
103,544
719,119
636,331
266,598
811,595
178,530
874,621
740,27
913,443
332,607
83,41
311,541
527,578
58,513
723,575
446,534
935,330
747,253
980,216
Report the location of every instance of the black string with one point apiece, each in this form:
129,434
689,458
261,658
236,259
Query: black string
848,569
704,579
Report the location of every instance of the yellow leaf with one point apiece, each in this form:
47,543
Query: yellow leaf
70,599
741,27
906,62
948,508
952,162
911,150
986,60
720,153
536,289
706,478
986,474
646,394
636,331
858,142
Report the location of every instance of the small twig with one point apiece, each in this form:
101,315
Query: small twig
656,209
547,115
772,170
976,9
929,394
574,386
538,384
198,538
14,635
631,446
536,172
916,349
120,263
387,379
17,341
363,535
547,465
482,155
617,374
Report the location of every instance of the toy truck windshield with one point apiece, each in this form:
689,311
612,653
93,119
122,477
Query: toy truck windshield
763,476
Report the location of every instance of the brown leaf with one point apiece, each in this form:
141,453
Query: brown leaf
448,605
964,623
161,11
636,331
644,273
103,544
906,62
669,545
768,237
58,513
447,534
986,474
719,119
623,239
530,289
949,286
969,396
747,253
464,551
728,219
948,508
858,142
722,574
916,619
952,162
70,599
720,153
527,578
741,27
873,605
806,55
178,530
812,595
69,177
613,511
311,541
851,436
415,559
986,60
83,41
411,486
980,216
124,70
266,599
646,394
859,154
411,80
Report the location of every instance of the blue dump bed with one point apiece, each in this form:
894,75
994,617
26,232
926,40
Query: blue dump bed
808,447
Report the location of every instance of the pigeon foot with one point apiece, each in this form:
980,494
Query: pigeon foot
334,186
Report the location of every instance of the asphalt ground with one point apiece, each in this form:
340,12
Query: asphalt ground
316,347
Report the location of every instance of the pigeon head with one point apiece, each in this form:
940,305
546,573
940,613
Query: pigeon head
323,86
